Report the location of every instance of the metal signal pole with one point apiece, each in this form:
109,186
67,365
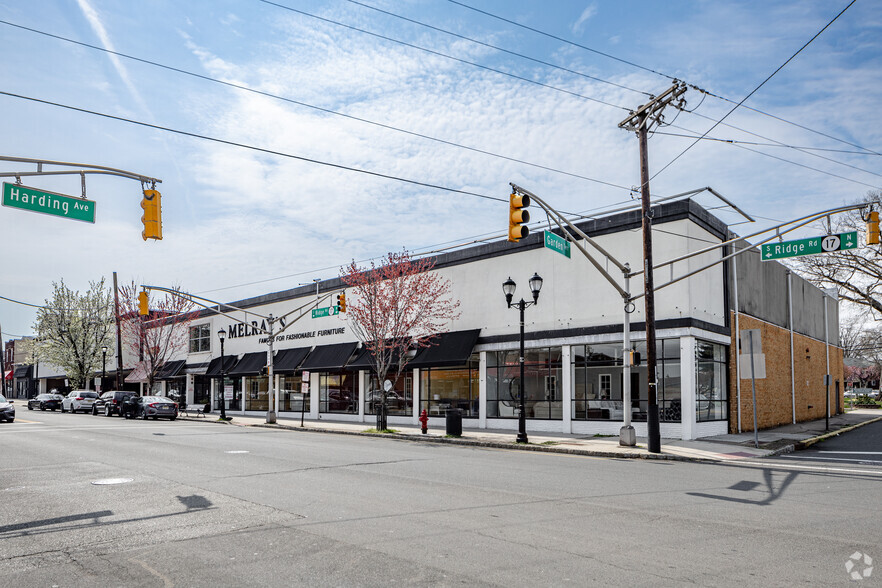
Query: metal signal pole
639,121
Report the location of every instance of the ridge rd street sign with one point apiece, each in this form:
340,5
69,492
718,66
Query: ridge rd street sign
557,243
809,246
327,311
26,198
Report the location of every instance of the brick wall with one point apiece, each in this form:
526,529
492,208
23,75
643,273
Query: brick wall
774,402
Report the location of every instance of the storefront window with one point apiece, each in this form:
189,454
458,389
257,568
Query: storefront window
399,400
231,392
291,394
445,388
598,384
712,403
201,389
542,378
338,393
257,393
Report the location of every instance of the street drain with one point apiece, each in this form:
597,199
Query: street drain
110,481
240,451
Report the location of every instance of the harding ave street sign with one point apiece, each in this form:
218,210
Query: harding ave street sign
809,246
25,198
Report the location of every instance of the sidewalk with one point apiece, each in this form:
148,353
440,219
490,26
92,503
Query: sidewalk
718,448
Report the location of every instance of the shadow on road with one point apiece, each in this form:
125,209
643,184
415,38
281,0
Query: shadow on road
773,493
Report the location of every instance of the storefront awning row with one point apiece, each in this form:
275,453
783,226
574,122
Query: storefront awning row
22,371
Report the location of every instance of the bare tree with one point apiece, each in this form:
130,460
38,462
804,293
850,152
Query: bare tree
397,305
157,338
72,328
856,273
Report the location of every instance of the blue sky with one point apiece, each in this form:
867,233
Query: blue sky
239,222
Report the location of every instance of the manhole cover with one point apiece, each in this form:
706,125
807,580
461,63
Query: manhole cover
110,481
240,451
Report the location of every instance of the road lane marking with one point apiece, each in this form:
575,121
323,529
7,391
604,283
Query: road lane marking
784,466
815,457
852,452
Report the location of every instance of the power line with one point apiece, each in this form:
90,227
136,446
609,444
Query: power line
254,148
312,106
695,135
752,92
659,73
445,55
497,48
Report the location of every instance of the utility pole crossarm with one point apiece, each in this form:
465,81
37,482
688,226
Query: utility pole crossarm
651,111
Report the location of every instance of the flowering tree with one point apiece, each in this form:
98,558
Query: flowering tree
72,328
397,305
862,376
157,338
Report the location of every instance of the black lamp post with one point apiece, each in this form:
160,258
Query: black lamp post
103,366
222,334
508,287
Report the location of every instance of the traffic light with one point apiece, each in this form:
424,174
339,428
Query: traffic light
143,304
152,219
341,301
634,358
873,228
518,217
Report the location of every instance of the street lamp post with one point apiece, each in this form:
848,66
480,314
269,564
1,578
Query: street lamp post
103,366
508,288
222,334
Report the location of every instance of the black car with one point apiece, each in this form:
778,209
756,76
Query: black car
111,402
45,402
7,411
154,407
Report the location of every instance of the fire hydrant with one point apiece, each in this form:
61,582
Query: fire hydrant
424,421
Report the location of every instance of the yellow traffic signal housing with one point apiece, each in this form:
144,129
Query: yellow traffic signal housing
873,228
518,217
143,304
341,301
152,219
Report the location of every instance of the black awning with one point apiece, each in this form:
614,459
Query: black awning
447,350
288,360
214,366
22,371
250,365
326,358
364,361
170,369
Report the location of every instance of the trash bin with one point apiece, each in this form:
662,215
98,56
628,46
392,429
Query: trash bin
454,422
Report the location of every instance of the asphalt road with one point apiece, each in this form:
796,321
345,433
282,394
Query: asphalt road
204,504
862,446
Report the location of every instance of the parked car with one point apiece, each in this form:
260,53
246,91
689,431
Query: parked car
7,411
155,407
45,402
79,400
110,403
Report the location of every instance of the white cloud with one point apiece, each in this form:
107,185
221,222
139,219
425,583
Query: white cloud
579,26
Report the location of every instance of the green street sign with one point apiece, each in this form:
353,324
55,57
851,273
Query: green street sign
328,311
810,246
25,198
557,243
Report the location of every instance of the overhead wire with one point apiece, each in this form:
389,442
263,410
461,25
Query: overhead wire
312,106
656,72
446,56
755,90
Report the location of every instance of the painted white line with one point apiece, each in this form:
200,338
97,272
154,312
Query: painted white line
784,466
237,451
854,452
831,458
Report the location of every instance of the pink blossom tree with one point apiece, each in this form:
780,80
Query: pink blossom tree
396,306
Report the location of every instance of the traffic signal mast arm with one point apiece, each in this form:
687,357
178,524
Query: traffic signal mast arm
564,224
797,223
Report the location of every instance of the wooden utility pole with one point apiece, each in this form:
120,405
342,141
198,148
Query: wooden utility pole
640,121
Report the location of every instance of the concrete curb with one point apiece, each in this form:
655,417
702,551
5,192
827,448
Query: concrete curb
493,444
806,443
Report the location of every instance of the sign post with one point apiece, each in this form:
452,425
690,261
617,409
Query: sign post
26,198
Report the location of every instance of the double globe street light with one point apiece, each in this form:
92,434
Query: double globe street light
509,287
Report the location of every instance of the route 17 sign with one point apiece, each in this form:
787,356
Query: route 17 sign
810,246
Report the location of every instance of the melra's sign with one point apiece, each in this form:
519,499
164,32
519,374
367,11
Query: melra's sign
26,198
